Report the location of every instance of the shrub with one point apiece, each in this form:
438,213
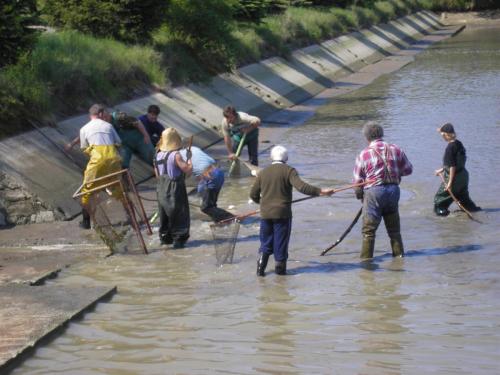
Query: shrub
202,28
67,71
125,20
384,10
16,36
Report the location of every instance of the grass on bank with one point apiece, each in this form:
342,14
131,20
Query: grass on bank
67,71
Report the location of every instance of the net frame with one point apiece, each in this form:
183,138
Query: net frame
225,236
103,225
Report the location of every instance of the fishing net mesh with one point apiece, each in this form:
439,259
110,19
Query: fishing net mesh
112,220
225,235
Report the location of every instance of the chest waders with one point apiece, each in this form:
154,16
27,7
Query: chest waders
391,219
173,207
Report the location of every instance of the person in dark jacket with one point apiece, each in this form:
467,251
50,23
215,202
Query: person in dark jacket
455,175
273,190
173,205
151,123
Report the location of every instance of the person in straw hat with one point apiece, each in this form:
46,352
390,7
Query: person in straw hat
455,174
173,206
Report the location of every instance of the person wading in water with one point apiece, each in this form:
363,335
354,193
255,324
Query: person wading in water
173,205
384,164
236,126
273,190
455,175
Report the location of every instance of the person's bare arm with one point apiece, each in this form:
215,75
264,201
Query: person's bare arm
70,145
254,123
229,148
140,126
185,166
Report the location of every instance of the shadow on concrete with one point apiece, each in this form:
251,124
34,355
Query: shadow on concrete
380,33
364,40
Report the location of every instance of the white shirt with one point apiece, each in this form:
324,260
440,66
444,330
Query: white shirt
98,132
243,120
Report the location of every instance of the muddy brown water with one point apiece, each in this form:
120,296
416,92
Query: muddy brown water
435,311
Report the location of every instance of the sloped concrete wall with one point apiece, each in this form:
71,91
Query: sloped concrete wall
37,158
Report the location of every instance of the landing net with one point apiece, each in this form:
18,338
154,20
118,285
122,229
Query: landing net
116,211
225,235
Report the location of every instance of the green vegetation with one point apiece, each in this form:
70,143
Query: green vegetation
15,34
67,71
129,21
95,53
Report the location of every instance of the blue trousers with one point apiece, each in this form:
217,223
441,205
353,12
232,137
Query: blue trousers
274,237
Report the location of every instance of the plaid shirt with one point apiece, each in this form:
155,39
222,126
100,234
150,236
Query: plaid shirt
370,164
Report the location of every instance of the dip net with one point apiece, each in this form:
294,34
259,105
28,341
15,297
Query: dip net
110,221
117,212
225,234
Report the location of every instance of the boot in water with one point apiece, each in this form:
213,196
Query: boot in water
262,264
441,211
280,268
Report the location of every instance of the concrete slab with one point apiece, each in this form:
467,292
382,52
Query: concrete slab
201,101
31,313
35,264
33,159
323,65
244,94
285,81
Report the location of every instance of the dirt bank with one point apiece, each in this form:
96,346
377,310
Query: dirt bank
487,18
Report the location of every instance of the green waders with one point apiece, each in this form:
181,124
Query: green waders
392,225
460,188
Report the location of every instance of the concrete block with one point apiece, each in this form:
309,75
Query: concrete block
30,313
33,159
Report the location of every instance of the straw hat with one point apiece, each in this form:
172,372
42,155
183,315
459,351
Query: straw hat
170,140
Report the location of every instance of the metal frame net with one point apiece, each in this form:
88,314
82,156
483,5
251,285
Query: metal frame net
114,210
225,235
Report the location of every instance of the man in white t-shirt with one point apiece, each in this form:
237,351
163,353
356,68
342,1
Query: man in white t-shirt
99,140
234,126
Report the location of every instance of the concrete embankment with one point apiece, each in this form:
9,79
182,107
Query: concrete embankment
279,91
46,177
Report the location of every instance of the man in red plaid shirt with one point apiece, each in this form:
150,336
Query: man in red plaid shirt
383,164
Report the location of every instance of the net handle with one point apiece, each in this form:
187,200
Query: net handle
251,213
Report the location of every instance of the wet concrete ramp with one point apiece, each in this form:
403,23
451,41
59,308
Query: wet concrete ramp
31,313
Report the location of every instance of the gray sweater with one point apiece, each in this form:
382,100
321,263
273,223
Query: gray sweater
273,190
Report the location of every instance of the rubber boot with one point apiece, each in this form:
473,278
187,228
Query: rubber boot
280,268
367,247
440,211
85,223
392,224
397,246
262,264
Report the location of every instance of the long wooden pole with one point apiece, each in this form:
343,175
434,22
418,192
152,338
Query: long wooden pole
238,152
346,232
456,200
251,213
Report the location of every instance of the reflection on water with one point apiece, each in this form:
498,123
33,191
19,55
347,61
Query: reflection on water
435,311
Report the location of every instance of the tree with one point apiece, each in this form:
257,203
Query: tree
203,28
16,35
125,20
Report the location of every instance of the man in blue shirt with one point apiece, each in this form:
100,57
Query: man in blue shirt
150,122
210,181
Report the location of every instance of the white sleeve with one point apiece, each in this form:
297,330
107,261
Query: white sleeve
83,139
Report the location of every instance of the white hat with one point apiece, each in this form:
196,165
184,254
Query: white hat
279,153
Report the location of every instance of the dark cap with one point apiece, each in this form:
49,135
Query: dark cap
447,128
